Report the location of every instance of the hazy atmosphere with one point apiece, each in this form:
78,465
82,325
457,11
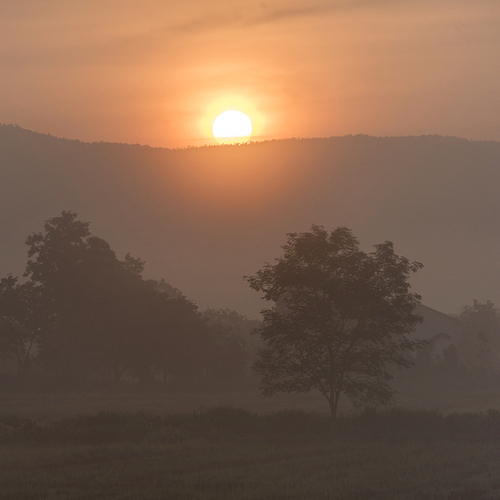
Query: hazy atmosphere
203,218
249,249
158,72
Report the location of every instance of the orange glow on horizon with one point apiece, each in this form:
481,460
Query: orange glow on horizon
159,74
223,104
240,179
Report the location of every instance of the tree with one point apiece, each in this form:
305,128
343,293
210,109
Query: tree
479,337
174,339
104,318
162,286
76,274
21,322
341,318
232,332
11,309
13,332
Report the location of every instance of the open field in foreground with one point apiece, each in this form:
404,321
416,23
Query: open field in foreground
233,470
54,406
228,453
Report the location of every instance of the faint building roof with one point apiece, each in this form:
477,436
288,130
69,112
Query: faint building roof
435,323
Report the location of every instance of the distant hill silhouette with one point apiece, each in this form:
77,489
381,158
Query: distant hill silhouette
204,217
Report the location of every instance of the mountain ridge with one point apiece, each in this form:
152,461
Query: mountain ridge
202,217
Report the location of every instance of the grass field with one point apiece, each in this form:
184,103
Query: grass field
227,453
54,406
235,470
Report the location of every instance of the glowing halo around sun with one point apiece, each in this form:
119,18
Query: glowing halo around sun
232,127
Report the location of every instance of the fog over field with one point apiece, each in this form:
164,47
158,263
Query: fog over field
202,218
250,249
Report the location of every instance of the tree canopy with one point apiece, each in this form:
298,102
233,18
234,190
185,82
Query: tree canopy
479,337
91,316
340,317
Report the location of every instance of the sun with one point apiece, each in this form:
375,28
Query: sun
232,127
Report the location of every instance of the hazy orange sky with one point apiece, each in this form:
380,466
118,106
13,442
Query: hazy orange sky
157,72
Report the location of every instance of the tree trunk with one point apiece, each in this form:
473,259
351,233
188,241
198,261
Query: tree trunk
117,370
333,401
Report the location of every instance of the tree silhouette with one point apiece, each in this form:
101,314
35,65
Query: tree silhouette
479,337
105,319
340,318
232,332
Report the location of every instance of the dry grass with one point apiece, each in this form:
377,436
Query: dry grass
228,453
231,470
50,407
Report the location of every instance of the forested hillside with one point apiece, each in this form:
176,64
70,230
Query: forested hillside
203,217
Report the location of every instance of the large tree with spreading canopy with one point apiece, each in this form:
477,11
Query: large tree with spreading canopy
341,318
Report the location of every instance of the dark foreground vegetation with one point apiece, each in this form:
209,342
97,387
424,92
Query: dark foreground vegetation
231,453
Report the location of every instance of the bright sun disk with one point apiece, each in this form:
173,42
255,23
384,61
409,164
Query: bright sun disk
231,127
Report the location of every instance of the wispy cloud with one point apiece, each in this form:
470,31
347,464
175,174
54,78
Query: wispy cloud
263,13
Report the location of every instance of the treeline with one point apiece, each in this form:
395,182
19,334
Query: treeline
81,316
466,363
